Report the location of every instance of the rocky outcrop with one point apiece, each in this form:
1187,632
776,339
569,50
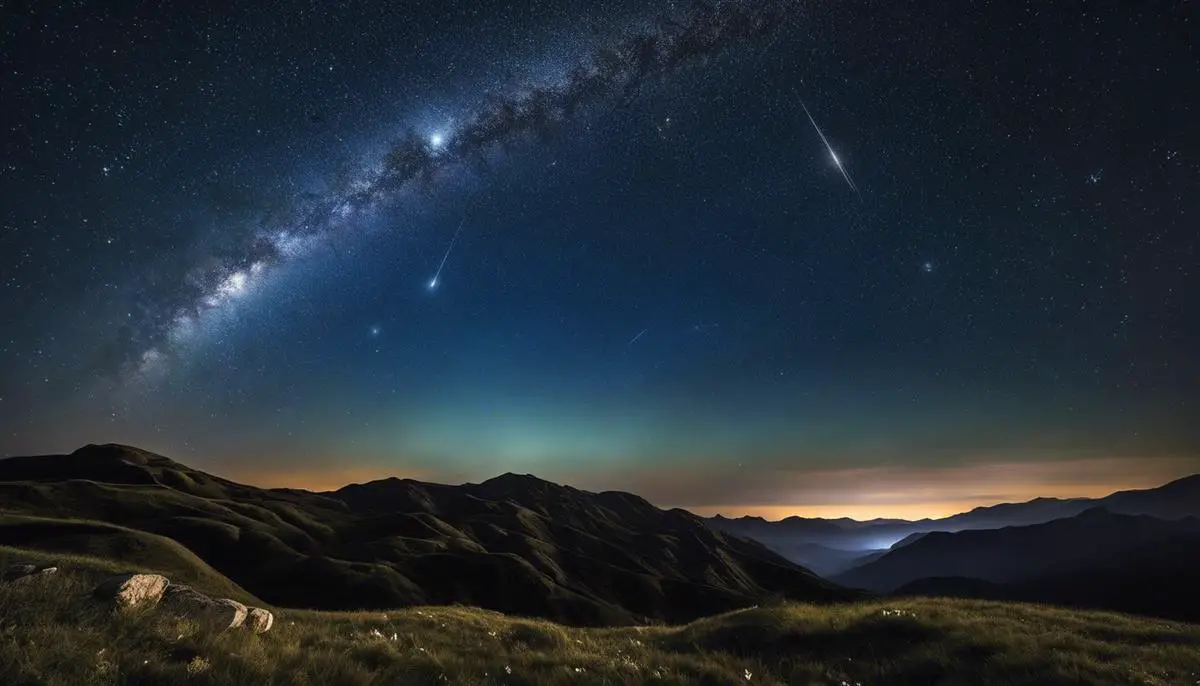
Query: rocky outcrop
131,590
259,620
25,570
219,613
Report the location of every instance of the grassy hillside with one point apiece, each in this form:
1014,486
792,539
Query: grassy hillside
52,633
514,543
47,540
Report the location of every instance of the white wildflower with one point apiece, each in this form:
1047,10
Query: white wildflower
748,675
507,669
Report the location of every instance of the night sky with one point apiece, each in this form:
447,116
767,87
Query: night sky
303,244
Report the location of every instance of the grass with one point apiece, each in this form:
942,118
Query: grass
51,632
92,544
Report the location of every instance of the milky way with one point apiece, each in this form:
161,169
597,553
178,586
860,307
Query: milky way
612,72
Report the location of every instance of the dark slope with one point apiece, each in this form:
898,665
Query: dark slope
1076,544
1156,580
514,543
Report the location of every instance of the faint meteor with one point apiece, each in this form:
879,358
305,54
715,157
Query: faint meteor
841,167
639,335
433,283
614,72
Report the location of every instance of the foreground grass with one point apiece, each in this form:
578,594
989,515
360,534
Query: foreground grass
51,632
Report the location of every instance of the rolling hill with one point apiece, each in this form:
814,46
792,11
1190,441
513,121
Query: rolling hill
516,544
1072,550
1154,580
53,634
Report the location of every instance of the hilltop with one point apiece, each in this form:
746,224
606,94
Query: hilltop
515,544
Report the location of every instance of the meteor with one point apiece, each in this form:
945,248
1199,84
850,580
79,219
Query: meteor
841,167
433,283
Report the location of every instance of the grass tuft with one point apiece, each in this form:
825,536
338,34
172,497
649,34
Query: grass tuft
52,632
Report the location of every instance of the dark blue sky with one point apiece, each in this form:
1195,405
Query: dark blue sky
219,228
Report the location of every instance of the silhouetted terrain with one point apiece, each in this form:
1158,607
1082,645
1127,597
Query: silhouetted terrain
514,543
1156,579
1175,500
1097,559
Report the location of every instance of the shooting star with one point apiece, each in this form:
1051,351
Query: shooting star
433,283
836,160
639,335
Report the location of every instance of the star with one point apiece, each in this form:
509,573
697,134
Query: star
375,330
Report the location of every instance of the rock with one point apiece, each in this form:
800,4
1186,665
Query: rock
128,590
259,620
188,603
25,570
240,611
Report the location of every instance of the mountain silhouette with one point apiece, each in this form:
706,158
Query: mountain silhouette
1072,545
514,543
1155,579
1175,500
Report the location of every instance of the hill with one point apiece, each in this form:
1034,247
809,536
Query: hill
53,634
1155,580
515,543
1073,545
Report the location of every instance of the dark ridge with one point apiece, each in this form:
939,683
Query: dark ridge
515,543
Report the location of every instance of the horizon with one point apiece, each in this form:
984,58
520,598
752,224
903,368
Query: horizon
1052,487
910,511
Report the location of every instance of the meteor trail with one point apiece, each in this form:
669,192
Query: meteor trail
635,338
614,72
434,281
841,167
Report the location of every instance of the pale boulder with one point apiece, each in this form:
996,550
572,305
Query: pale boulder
129,590
219,613
259,620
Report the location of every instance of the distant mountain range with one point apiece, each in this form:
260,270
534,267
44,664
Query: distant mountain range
1132,551
1157,578
854,543
513,543
1020,553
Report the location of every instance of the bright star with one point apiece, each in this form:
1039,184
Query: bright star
375,330
436,140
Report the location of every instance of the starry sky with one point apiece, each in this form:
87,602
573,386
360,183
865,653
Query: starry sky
759,256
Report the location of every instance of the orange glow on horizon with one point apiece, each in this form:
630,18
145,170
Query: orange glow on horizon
911,511
861,493
888,509
317,480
